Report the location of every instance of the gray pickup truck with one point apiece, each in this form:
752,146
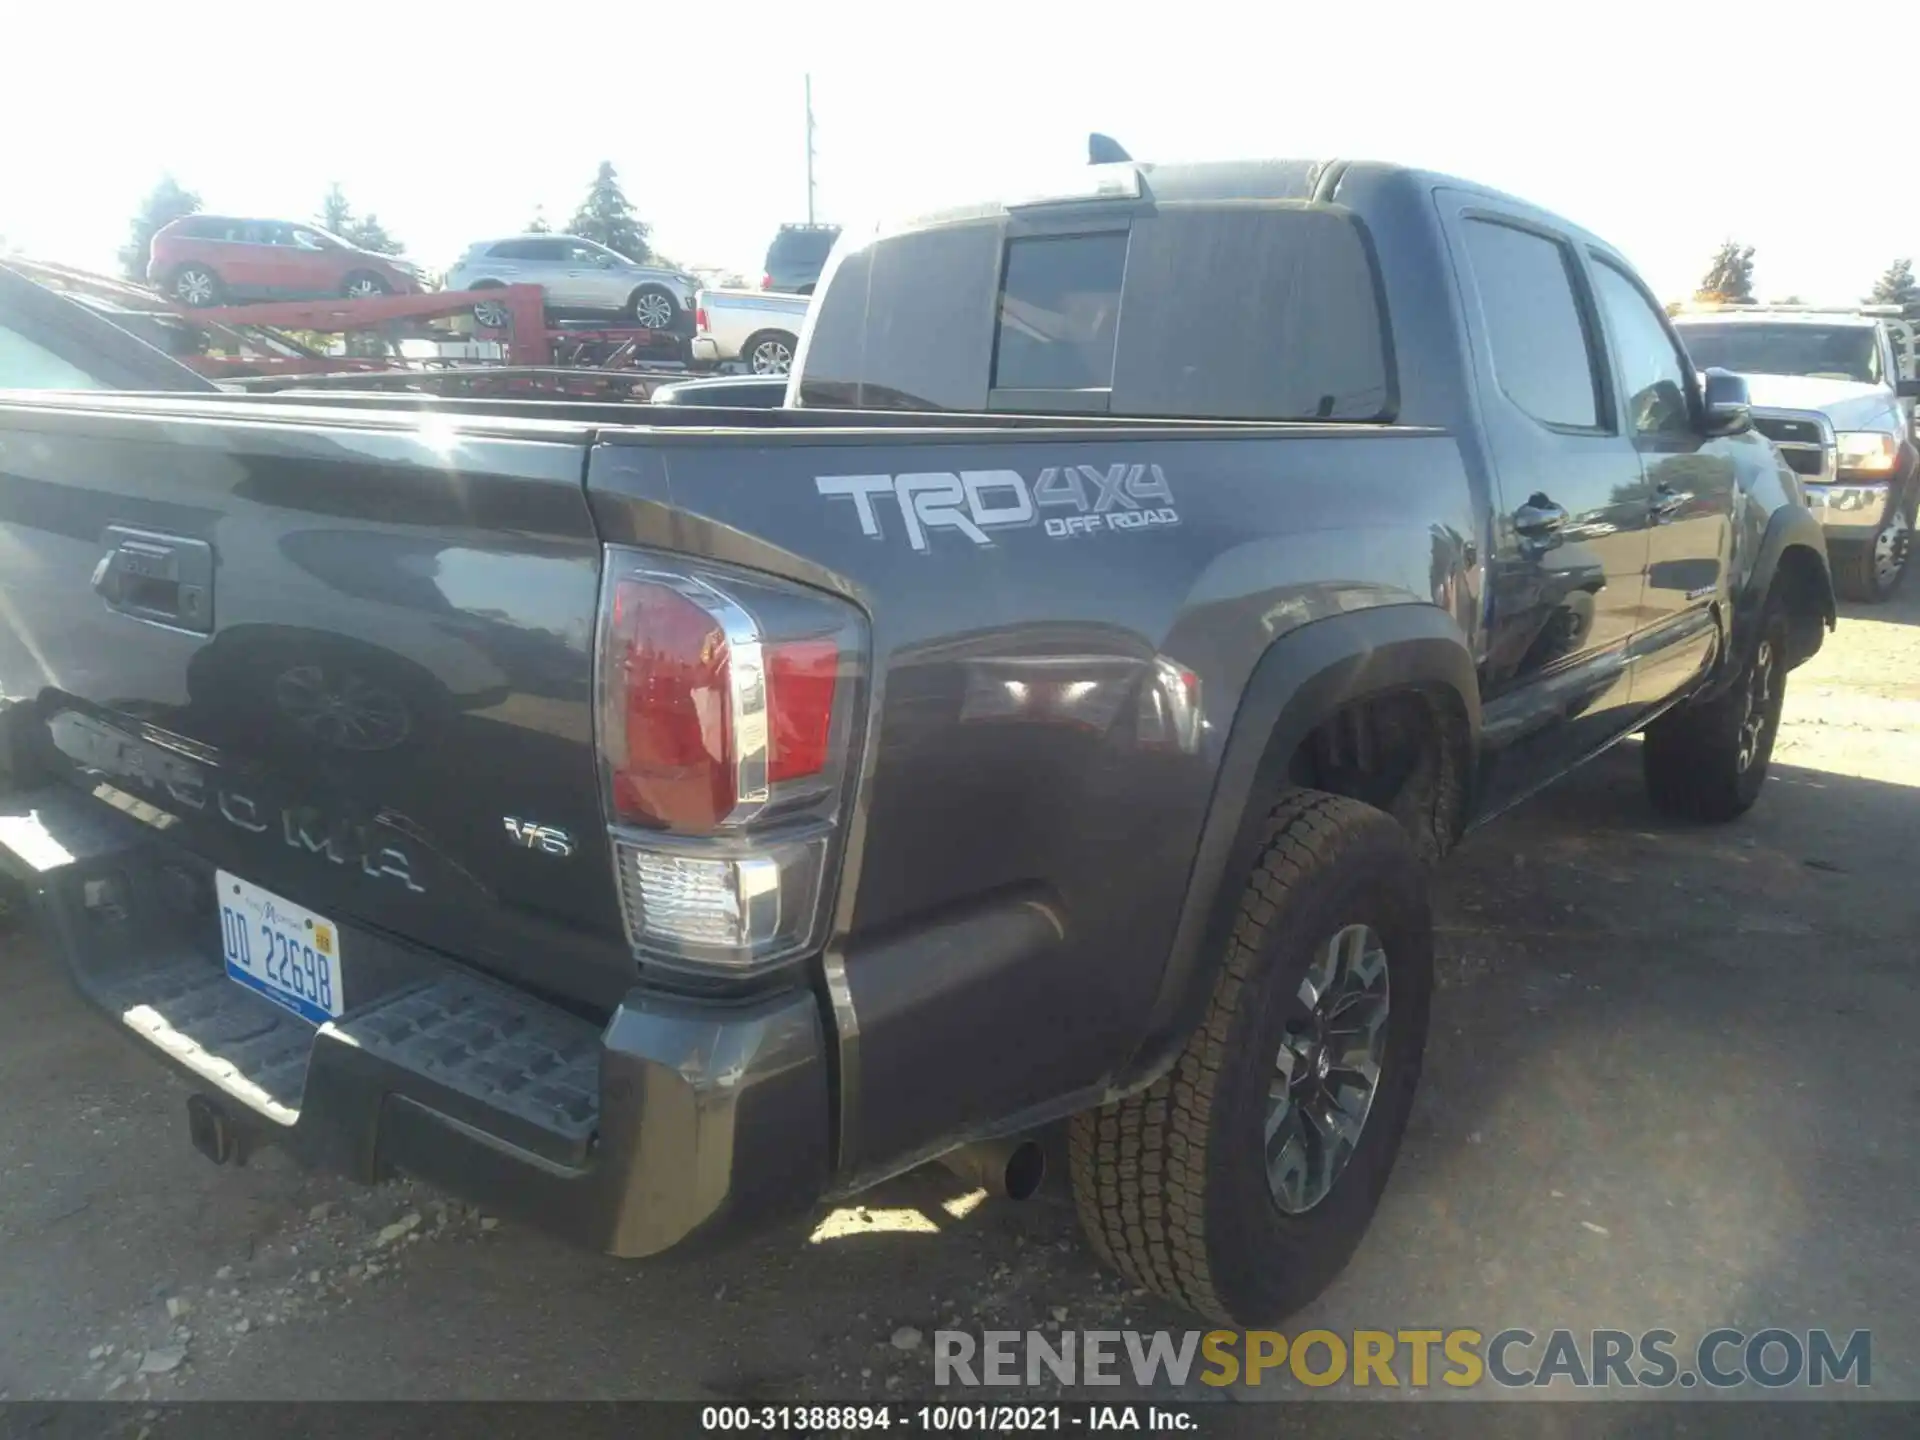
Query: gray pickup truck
648,822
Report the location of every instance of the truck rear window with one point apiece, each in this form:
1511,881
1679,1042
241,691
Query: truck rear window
1262,311
1059,310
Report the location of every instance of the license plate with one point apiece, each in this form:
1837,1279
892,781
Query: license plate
280,950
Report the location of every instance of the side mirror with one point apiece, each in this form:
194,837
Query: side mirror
1725,408
1907,389
605,262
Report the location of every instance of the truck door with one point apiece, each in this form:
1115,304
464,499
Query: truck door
1690,487
1569,542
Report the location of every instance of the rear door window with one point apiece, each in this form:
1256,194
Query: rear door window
1059,312
1268,312
1541,343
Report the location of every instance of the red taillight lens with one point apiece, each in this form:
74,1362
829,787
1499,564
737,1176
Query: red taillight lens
801,675
700,318
699,733
766,281
673,765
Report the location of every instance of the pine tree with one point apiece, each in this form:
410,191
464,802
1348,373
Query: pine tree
1730,276
166,201
607,216
1896,286
335,214
366,231
369,234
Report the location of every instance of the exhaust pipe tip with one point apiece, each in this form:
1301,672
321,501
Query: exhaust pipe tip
1026,1167
1010,1169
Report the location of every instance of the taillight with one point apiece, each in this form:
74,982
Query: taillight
673,765
700,318
728,708
766,281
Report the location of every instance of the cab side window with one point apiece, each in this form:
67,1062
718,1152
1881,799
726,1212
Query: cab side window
1651,371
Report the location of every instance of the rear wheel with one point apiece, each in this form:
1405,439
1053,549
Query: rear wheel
1872,572
364,285
491,314
1240,1183
769,353
1708,761
653,308
195,285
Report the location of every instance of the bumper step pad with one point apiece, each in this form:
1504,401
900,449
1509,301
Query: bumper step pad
509,1053
247,1046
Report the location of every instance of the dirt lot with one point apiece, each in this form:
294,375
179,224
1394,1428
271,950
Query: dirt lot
1673,1081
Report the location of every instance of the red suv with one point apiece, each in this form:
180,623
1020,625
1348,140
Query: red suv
216,259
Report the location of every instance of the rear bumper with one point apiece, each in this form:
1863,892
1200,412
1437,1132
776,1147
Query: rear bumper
706,350
675,1119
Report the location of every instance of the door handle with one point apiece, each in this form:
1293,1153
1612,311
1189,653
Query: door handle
1666,501
160,578
1539,518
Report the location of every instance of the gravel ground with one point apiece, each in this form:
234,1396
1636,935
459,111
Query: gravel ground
1672,1082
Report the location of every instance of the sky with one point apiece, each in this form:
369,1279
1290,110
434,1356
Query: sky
1665,128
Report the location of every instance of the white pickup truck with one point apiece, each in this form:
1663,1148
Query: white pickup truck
758,330
1835,391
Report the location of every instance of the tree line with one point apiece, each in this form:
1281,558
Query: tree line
1729,280
605,216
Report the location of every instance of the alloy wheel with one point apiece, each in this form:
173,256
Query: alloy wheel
492,314
1327,1070
771,357
1890,549
1759,707
653,310
194,286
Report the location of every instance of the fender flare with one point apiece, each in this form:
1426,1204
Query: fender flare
1303,677
1791,526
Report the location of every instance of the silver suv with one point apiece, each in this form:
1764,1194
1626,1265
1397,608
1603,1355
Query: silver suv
577,275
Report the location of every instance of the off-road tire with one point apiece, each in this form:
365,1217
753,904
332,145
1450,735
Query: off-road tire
1691,757
1171,1182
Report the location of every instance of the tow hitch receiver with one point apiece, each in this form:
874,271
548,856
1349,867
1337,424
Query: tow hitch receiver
214,1133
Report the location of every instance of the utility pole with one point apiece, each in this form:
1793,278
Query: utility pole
809,149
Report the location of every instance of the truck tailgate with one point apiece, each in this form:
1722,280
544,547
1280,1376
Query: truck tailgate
342,657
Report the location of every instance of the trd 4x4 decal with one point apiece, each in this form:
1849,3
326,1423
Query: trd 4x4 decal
1086,500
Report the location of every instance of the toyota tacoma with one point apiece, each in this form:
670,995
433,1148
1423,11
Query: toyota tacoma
650,822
